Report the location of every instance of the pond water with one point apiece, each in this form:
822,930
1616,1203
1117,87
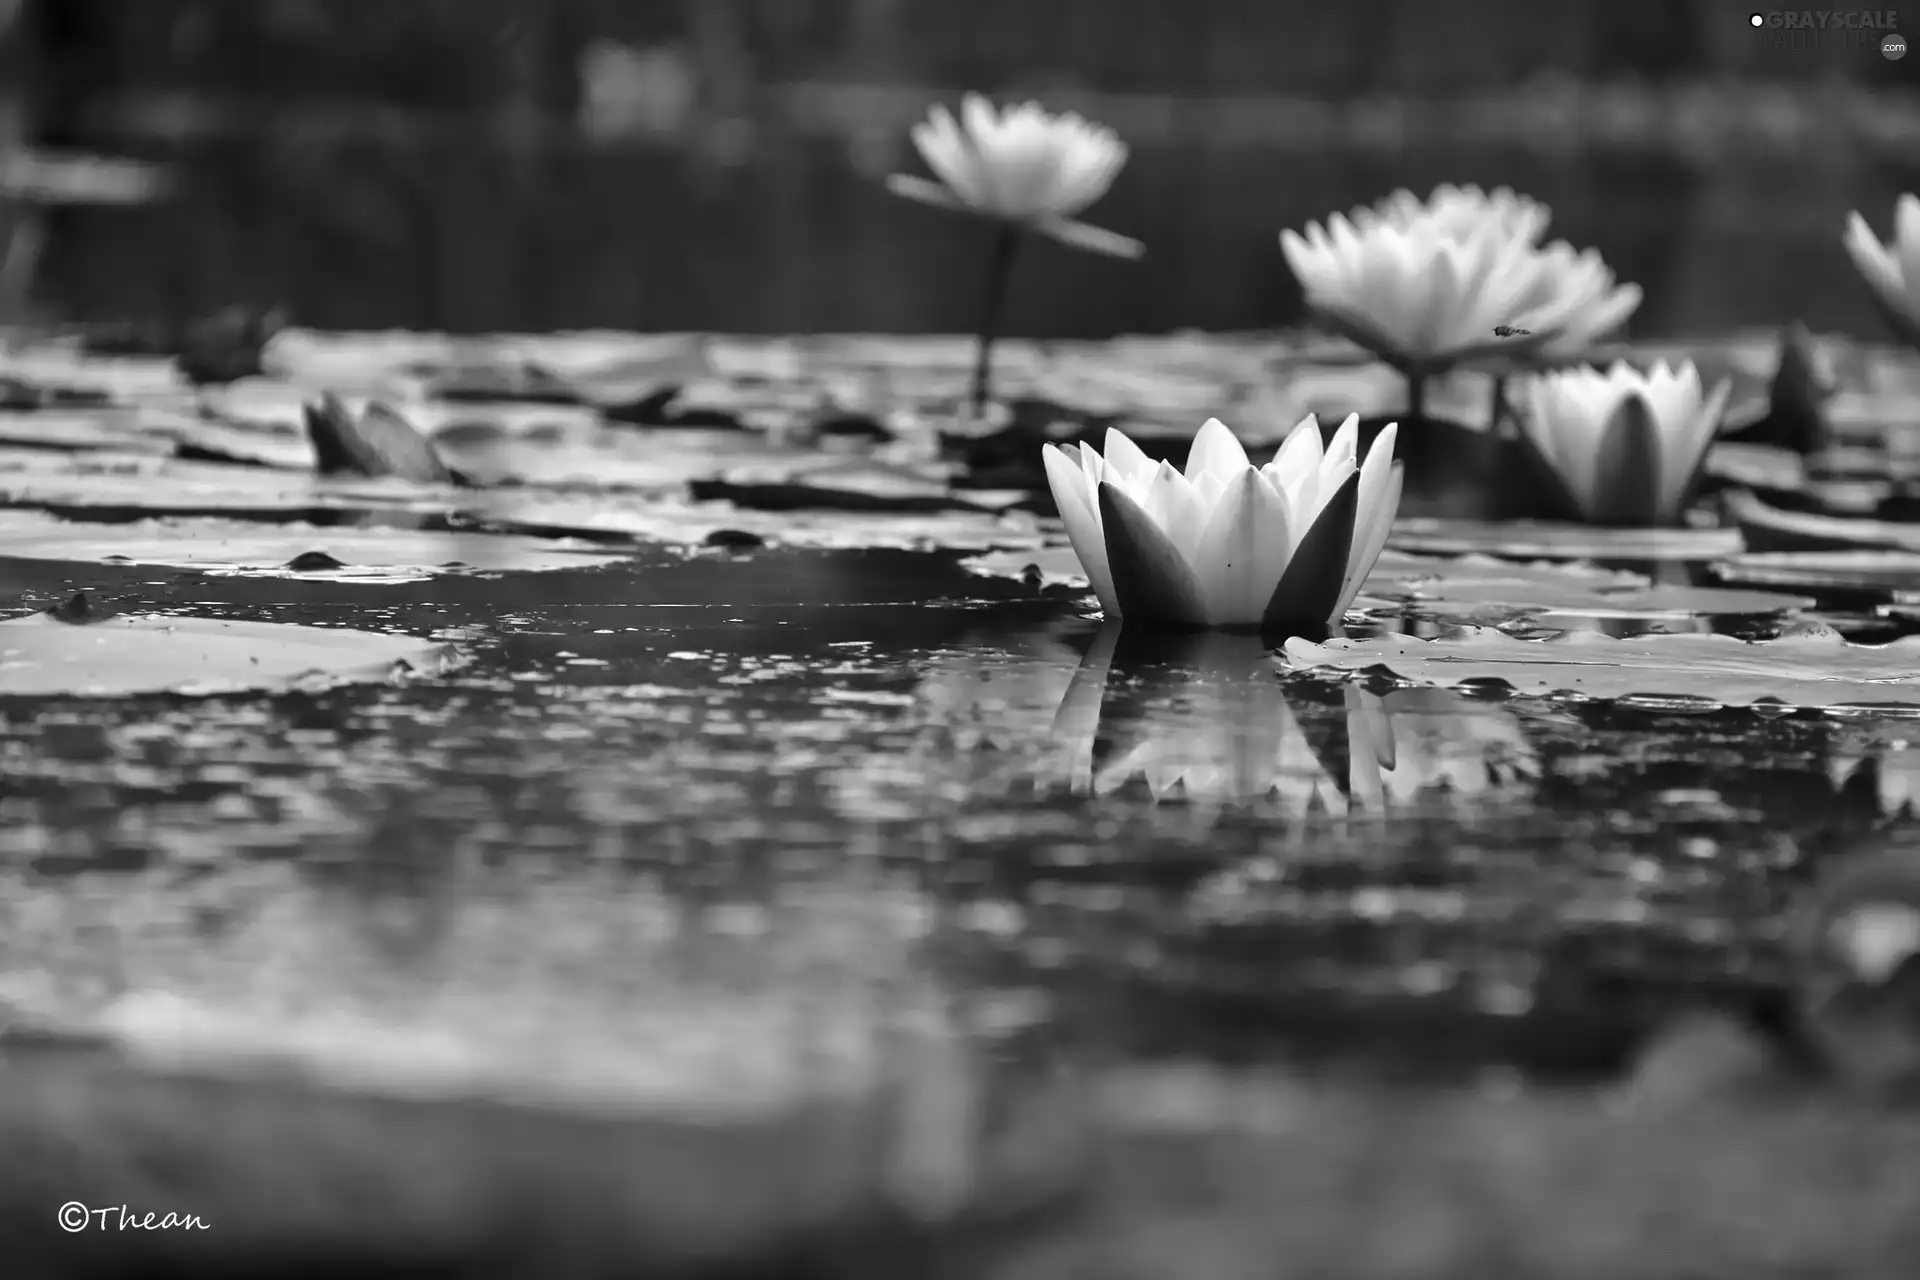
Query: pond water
738,705
791,231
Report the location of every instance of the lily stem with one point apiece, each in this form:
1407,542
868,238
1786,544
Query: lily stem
1416,395
1497,403
1006,243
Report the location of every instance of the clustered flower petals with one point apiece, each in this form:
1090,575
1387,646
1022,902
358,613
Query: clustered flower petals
1626,446
1223,543
1021,165
1425,285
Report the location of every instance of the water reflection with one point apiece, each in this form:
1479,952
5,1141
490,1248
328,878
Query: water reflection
1205,718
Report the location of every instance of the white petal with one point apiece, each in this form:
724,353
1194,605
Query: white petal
1130,467
1074,494
1216,451
1906,228
1243,551
1682,446
1370,516
1175,507
1876,266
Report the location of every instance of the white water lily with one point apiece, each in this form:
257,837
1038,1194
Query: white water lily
1226,544
1463,210
1426,291
1891,272
1022,166
1626,446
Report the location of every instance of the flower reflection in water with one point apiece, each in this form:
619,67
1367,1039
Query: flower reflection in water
1203,717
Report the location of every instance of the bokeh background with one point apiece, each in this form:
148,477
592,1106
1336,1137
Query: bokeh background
716,164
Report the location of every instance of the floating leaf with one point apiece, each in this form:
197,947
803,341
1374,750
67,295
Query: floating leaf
1768,528
1865,570
1561,541
138,654
1812,669
231,547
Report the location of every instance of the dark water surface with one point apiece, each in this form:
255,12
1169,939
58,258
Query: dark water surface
682,792
789,231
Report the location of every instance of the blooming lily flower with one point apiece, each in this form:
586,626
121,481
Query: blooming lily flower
1462,210
1626,446
1892,273
1021,166
1426,293
1227,544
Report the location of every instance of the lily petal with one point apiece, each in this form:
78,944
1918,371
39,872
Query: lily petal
1304,599
1216,451
1243,551
1125,462
1152,581
1373,518
1073,494
1626,489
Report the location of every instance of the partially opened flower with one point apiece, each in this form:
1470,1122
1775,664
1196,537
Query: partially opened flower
1625,446
1022,166
1892,274
1226,544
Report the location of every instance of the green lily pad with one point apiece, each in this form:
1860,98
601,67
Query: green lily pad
41,656
1813,669
1544,541
232,548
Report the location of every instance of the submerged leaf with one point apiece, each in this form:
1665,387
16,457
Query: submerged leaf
237,548
1813,669
151,653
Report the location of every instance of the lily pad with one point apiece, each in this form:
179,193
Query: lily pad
1543,541
236,548
1768,528
694,523
161,485
1812,669
41,656
1863,570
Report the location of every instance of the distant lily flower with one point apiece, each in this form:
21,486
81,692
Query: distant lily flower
1892,272
1025,170
1226,544
1625,446
1462,210
1425,291
1020,166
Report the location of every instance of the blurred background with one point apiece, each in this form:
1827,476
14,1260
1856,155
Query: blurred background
716,164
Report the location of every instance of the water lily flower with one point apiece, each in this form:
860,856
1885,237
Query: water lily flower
1462,210
1892,272
1625,446
1226,544
1426,292
1022,166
